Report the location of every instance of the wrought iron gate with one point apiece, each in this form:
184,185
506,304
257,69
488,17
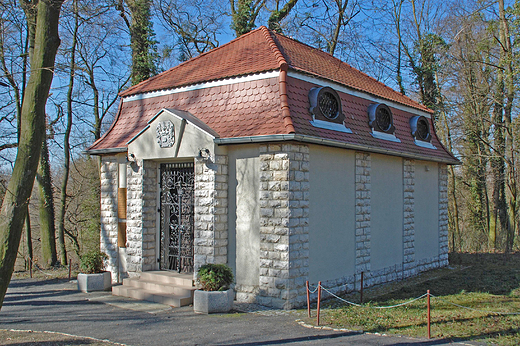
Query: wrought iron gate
177,214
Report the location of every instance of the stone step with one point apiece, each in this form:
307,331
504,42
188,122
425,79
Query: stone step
169,278
159,287
140,294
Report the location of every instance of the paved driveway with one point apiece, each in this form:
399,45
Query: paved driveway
57,306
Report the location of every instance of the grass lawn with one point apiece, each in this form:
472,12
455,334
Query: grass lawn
489,283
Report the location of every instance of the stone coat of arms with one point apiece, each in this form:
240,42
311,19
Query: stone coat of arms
165,132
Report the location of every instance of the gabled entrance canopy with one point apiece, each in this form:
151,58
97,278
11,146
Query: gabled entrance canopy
172,134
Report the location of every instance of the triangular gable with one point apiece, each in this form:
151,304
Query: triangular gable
172,134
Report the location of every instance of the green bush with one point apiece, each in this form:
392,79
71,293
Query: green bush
215,277
93,262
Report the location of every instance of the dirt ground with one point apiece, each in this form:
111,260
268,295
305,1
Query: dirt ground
29,338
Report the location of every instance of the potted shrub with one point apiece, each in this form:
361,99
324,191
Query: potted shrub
93,276
215,294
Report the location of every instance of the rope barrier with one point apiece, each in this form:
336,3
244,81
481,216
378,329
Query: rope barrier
315,290
374,307
473,309
33,265
428,295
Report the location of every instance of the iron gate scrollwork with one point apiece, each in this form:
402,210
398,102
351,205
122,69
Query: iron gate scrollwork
177,217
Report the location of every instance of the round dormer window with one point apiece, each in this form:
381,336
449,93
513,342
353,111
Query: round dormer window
329,105
423,130
420,128
384,118
380,118
326,105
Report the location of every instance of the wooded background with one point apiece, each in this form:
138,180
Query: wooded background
460,58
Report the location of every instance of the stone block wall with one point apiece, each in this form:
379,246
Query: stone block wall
284,224
443,215
134,216
150,190
108,236
141,216
211,203
408,219
363,210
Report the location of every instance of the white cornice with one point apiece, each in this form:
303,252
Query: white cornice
229,81
354,92
275,74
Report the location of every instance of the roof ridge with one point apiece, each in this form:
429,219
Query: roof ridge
274,46
216,49
282,80
319,51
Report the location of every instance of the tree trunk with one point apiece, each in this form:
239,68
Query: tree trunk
244,14
452,186
28,240
397,17
47,227
498,166
278,15
66,144
32,131
141,40
509,89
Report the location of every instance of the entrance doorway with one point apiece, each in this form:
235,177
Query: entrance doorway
177,217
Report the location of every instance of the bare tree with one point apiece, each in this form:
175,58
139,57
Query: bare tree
43,46
195,25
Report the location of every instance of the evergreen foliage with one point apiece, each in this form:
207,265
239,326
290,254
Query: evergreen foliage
215,277
143,43
93,262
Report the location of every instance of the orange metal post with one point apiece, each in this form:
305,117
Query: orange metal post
429,325
319,301
361,289
308,299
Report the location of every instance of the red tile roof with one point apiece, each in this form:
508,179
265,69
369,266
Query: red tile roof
356,119
236,110
264,50
266,106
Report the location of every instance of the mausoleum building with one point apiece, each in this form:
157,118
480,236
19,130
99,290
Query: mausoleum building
279,160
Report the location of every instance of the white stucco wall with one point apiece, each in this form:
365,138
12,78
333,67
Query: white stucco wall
386,211
332,208
244,215
426,210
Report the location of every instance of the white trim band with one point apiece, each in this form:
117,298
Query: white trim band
385,136
330,126
424,144
354,92
234,80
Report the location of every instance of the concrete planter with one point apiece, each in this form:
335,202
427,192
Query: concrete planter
207,302
94,282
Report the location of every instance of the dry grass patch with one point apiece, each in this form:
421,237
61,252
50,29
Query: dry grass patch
29,338
485,283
